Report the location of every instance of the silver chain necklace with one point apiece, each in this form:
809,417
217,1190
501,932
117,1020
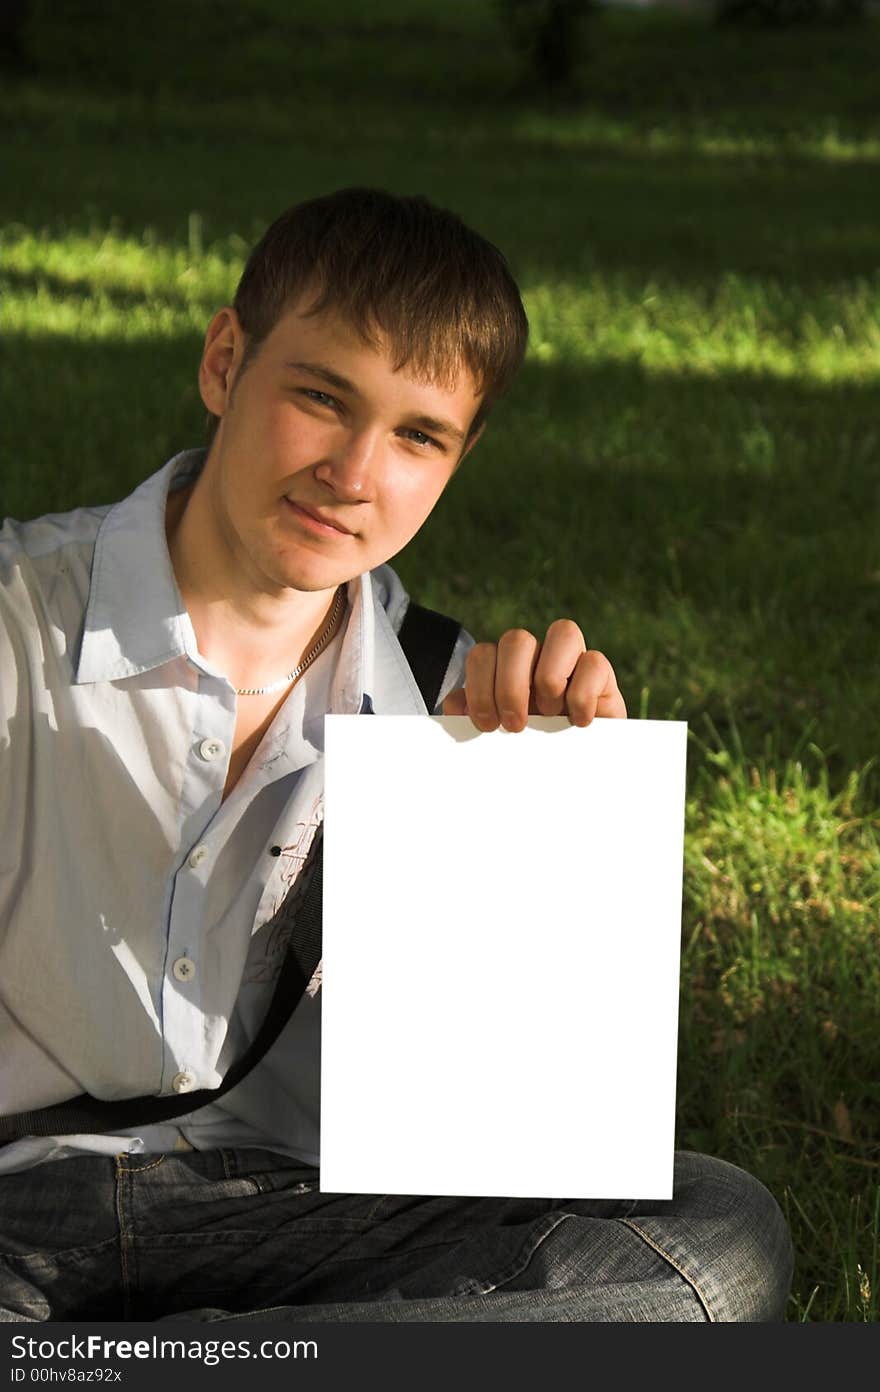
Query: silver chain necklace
307,660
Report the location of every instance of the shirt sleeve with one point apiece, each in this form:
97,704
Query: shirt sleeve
15,712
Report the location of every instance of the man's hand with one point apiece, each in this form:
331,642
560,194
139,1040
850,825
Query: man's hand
507,681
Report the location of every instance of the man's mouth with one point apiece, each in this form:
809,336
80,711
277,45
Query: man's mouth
316,520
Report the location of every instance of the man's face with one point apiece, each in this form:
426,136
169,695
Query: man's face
326,461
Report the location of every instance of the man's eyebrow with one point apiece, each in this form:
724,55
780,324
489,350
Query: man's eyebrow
334,379
431,425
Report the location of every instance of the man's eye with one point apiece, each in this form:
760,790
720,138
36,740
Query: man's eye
419,437
322,398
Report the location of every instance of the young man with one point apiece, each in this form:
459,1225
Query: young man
165,667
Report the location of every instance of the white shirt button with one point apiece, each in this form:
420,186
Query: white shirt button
184,969
212,749
183,1082
198,856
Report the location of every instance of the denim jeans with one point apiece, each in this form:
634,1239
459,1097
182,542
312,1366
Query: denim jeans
237,1234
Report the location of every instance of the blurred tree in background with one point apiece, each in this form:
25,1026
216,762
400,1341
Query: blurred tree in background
13,14
549,36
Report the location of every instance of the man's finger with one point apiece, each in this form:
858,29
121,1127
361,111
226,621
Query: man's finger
479,685
515,663
593,690
560,653
455,703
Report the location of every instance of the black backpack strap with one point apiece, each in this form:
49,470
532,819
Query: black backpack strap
428,640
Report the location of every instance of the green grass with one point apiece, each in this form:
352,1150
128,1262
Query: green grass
688,464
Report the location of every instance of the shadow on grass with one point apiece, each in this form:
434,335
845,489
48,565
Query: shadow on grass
81,288
90,419
677,62
637,447
791,1094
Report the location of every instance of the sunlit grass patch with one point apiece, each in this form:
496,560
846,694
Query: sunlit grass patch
718,138
104,284
786,877
96,316
741,324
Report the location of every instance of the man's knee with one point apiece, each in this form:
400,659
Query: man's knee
727,1235
761,1257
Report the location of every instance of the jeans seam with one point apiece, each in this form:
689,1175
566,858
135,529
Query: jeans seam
374,1209
86,1250
667,1257
128,1256
137,1169
550,1223
123,1244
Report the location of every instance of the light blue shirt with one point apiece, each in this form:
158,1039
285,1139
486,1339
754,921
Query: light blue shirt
135,957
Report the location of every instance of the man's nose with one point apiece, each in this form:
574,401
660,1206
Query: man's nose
350,467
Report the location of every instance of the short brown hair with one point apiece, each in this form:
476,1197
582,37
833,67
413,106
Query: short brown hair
442,295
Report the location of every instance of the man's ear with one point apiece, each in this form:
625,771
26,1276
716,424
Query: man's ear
469,444
221,359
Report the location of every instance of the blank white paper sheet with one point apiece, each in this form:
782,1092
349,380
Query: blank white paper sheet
502,919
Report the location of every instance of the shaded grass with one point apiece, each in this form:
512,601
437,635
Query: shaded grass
688,463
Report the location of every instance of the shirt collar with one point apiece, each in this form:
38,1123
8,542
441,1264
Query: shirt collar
135,618
372,675
132,626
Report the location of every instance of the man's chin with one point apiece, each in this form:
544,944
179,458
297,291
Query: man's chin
310,582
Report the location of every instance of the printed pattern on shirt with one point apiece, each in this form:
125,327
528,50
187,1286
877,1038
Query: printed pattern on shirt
272,938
